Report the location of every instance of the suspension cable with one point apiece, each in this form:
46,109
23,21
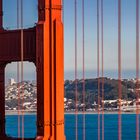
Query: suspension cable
83,30
22,56
98,69
119,71
76,96
102,42
137,69
18,76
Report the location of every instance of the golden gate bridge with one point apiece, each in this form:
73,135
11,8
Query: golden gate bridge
43,45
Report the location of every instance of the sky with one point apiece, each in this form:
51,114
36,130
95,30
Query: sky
110,36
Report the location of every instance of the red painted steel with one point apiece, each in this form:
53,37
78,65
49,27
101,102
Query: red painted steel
50,69
1,15
10,45
2,99
10,52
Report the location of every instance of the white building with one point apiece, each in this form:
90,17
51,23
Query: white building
11,81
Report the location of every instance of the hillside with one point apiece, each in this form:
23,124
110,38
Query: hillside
91,92
91,89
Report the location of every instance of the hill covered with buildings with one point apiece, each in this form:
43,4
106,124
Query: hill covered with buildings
27,91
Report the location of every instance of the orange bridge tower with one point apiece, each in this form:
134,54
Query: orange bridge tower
50,67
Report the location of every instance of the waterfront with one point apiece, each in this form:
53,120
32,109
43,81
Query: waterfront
111,122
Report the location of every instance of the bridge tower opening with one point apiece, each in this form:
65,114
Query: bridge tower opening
20,96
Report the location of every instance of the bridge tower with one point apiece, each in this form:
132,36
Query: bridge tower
50,67
42,45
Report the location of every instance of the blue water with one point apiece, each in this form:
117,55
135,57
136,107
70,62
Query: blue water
111,126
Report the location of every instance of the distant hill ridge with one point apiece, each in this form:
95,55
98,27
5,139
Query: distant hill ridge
91,89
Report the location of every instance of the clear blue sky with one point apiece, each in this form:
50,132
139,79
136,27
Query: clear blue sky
110,33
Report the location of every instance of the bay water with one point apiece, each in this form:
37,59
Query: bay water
111,126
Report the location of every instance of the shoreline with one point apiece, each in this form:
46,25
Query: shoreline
25,112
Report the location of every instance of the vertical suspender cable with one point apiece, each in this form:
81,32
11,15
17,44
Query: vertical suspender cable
83,29
76,116
98,69
22,55
137,69
119,70
18,76
102,41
